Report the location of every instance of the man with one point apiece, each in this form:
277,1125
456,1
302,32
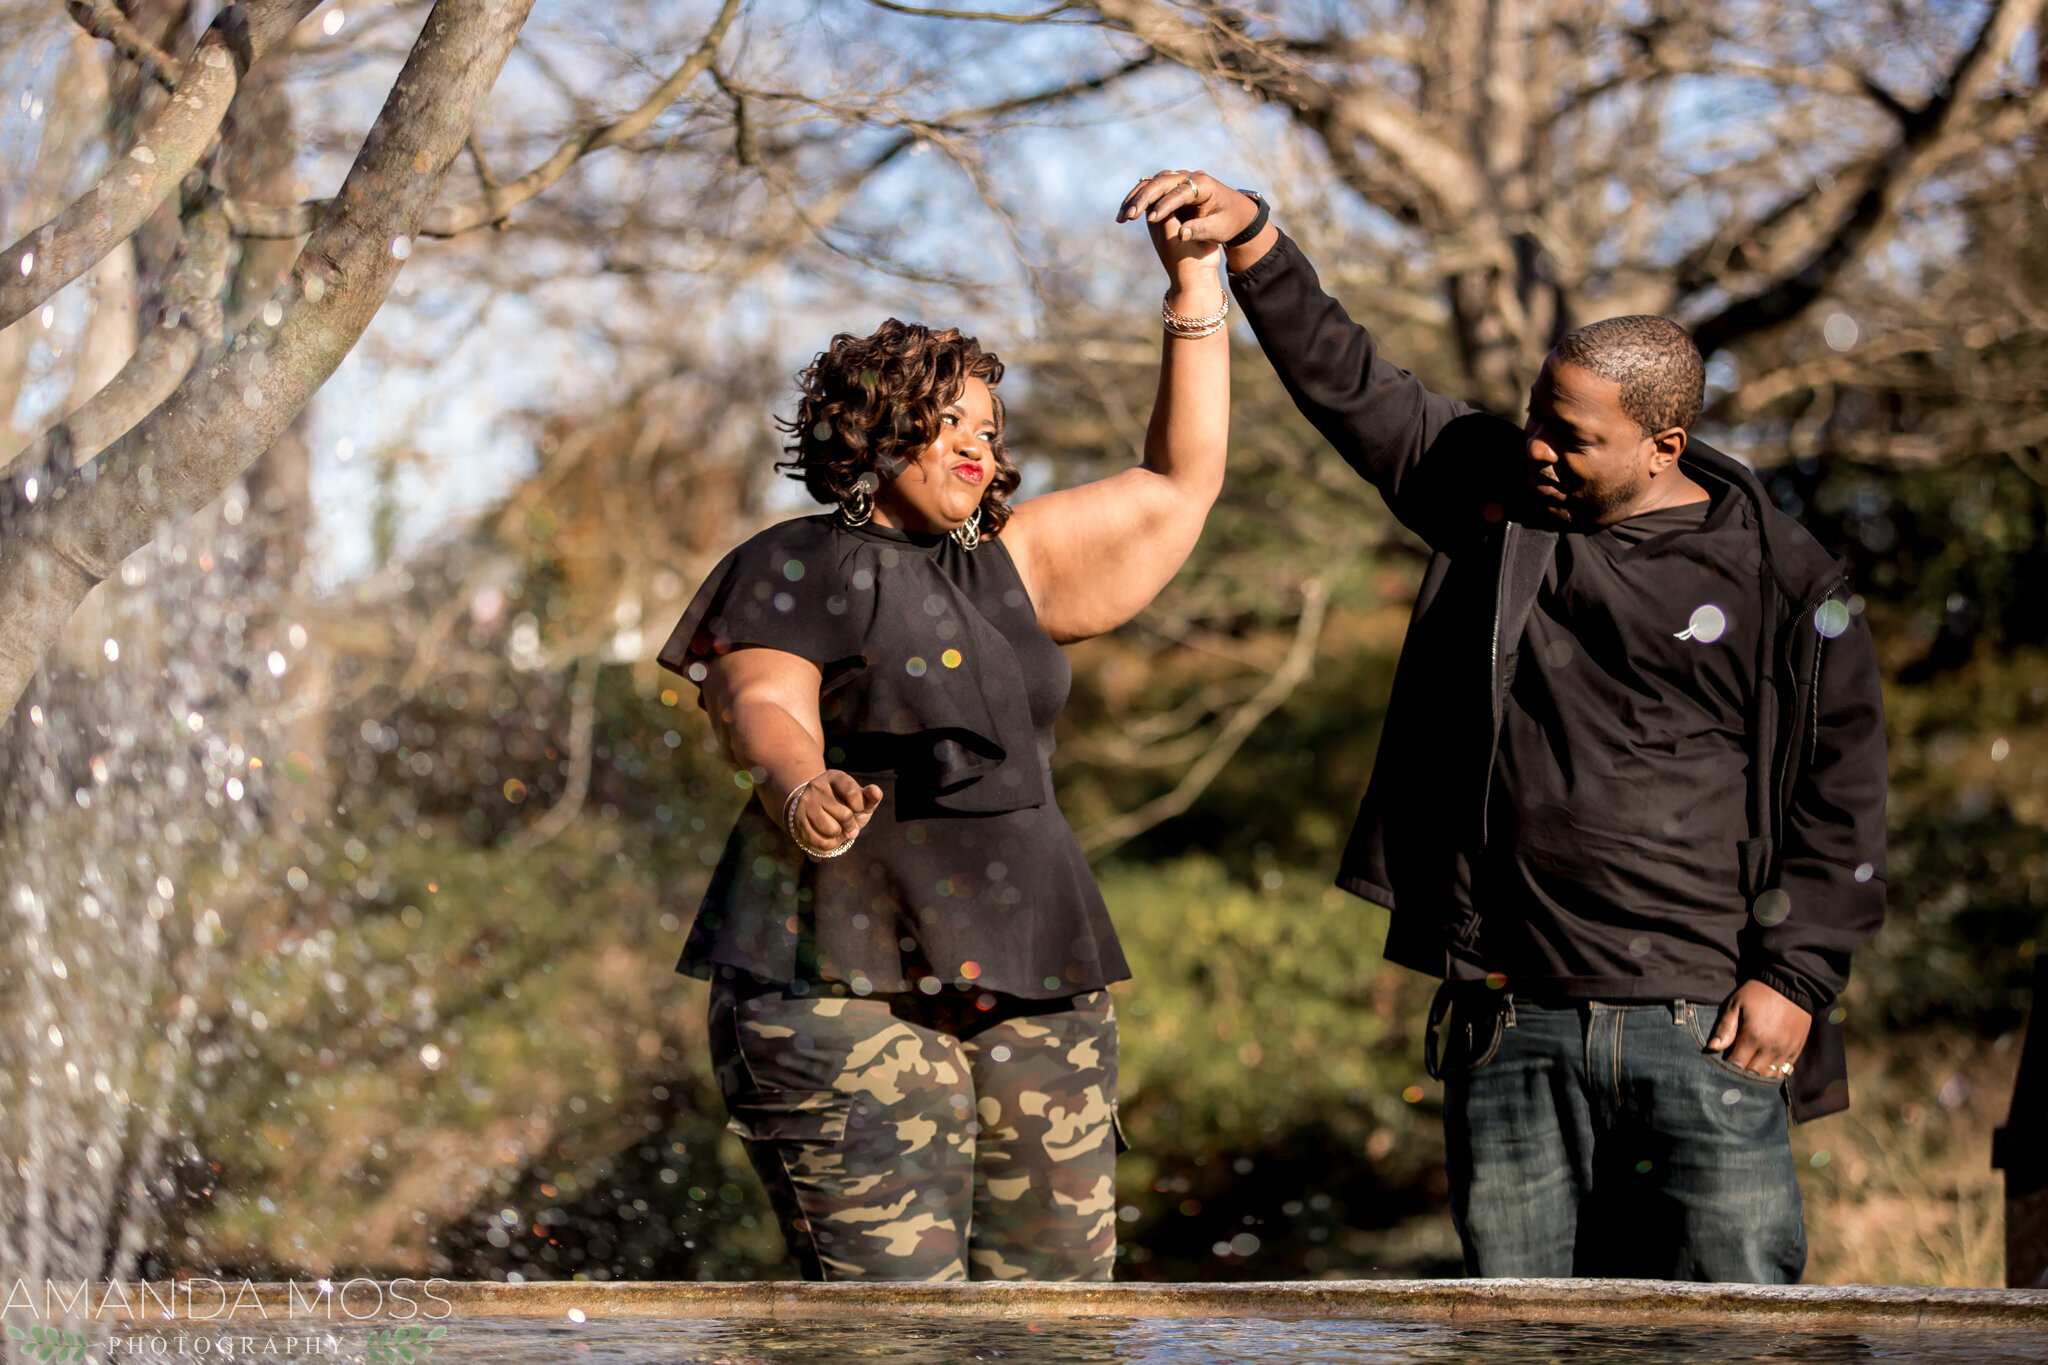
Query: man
1629,802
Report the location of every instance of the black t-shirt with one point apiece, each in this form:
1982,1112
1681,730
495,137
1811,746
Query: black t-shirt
1620,787
940,688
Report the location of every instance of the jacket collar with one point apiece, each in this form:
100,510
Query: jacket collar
1801,565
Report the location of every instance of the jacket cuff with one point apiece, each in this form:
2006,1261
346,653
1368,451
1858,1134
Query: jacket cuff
1799,992
1283,254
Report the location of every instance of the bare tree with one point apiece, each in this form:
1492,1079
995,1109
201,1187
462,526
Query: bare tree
174,437
1557,160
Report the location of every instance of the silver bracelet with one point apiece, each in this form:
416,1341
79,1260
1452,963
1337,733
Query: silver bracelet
1192,329
789,823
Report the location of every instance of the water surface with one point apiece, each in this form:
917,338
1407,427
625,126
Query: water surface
904,1339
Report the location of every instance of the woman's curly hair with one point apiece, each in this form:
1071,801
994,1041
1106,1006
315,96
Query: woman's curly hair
870,404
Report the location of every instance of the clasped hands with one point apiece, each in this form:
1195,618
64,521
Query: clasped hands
1188,207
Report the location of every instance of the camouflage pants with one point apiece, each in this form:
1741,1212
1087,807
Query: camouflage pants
919,1139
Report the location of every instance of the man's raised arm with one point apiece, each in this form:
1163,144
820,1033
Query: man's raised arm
1384,422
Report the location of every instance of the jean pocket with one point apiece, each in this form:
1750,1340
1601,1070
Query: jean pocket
1463,1034
1701,1032
789,1115
1728,1068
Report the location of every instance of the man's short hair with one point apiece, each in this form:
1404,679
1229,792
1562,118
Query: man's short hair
1663,379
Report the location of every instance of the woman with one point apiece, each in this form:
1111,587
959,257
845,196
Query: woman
908,954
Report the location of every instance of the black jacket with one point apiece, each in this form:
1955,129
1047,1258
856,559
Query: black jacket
1813,866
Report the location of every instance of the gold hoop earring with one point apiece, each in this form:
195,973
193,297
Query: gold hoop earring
857,508
967,534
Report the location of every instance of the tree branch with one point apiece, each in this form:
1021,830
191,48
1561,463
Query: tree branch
484,177
1426,179
222,419
2015,439
1662,61
959,121
1100,839
1920,147
272,222
814,218
1758,393
130,189
492,206
1166,739
109,23
1017,104
582,720
978,15
190,323
426,649
449,219
2031,463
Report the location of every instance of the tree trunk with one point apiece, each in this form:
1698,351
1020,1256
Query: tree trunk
258,153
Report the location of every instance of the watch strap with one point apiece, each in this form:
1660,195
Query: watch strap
1258,222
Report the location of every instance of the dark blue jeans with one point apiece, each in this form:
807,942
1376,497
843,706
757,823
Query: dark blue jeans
1605,1140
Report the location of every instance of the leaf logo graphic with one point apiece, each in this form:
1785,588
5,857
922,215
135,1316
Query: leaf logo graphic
1707,625
404,1344
49,1344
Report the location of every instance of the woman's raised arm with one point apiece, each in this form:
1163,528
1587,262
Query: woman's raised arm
1092,557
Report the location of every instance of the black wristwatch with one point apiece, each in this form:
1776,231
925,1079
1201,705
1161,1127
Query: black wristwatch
1257,224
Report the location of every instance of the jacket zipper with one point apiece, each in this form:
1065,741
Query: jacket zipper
1493,697
1789,750
1813,690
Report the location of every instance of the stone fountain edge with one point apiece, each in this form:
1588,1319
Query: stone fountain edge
1638,1301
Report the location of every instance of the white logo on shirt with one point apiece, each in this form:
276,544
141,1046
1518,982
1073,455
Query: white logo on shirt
1707,625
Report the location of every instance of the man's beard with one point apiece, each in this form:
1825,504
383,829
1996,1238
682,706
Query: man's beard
1588,510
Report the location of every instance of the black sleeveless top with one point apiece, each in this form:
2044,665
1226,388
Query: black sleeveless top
940,688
